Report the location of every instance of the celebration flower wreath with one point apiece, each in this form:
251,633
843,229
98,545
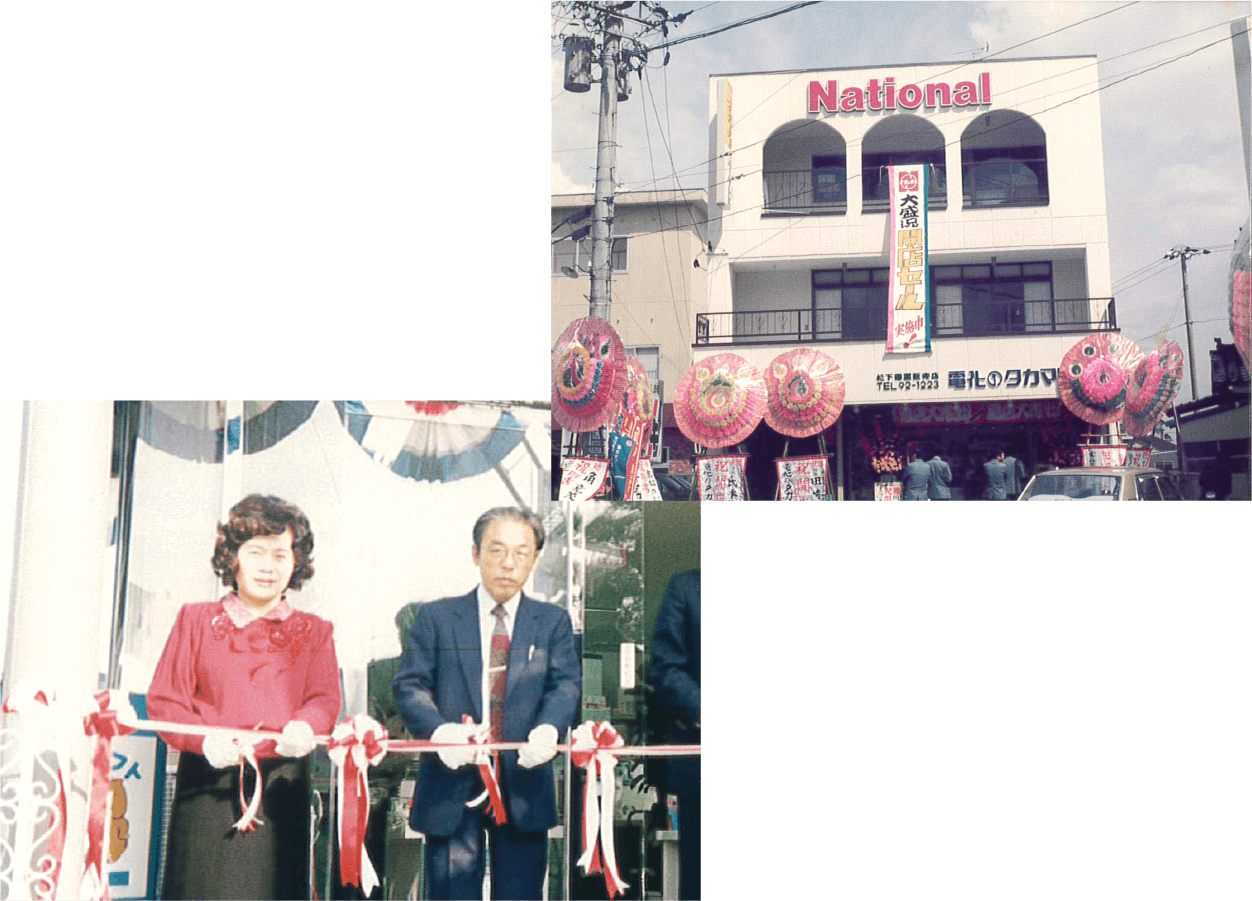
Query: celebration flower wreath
883,451
804,392
1153,385
588,371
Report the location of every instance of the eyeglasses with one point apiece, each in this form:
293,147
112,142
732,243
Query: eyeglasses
497,554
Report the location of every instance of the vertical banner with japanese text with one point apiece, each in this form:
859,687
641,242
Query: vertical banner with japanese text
803,478
908,305
583,478
723,478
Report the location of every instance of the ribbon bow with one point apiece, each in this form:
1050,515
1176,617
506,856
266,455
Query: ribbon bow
357,743
593,751
105,724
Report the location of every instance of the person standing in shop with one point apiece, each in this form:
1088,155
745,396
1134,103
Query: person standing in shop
1014,476
916,478
940,478
508,663
675,678
996,473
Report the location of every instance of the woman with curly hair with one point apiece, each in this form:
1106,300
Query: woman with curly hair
248,661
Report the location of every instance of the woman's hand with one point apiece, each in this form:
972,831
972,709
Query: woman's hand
222,750
297,739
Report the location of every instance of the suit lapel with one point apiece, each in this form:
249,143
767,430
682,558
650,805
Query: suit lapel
525,633
469,649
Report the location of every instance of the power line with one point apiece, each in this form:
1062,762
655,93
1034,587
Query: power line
823,119
749,21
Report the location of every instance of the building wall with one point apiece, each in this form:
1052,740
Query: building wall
1048,90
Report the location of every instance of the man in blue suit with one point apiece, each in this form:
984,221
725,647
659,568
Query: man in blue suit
452,665
675,678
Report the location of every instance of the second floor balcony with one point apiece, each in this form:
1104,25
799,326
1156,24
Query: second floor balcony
958,320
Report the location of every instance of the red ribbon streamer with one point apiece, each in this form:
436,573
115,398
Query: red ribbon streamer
598,760
354,801
488,774
105,726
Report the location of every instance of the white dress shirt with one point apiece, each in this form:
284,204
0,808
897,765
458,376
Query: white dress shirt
487,625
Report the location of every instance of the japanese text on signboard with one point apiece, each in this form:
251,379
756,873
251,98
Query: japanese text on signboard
803,479
722,478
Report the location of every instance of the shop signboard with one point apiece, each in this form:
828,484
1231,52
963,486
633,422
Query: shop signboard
722,478
803,478
136,782
908,307
980,412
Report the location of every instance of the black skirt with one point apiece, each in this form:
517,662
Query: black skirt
207,858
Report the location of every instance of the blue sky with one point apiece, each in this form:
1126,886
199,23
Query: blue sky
1174,169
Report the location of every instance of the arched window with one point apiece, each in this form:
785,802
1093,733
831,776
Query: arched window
899,140
1004,160
805,166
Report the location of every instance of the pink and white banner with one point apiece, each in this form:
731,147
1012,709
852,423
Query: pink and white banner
645,486
908,305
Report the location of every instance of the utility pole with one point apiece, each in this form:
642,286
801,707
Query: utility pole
1182,253
606,157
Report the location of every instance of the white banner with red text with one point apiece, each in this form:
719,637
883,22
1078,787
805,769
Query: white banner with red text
908,304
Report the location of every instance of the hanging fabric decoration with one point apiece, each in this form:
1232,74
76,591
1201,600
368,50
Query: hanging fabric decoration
1094,376
588,372
804,391
720,400
1153,384
356,744
592,750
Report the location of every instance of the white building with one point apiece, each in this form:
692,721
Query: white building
1018,245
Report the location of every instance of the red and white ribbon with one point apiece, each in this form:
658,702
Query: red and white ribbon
249,821
593,750
105,724
357,743
487,772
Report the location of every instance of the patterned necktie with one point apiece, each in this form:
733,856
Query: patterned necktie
497,672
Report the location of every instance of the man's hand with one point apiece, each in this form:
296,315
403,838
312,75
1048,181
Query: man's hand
222,750
540,747
455,758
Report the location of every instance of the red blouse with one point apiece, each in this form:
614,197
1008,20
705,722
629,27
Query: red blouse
259,676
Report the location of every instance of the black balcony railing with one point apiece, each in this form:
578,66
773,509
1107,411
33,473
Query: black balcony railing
966,320
1006,182
810,190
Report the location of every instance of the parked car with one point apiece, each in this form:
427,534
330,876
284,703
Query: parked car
674,487
1101,483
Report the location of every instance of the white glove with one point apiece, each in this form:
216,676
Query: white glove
222,750
297,739
454,758
540,747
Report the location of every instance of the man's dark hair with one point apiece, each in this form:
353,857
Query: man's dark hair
518,514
